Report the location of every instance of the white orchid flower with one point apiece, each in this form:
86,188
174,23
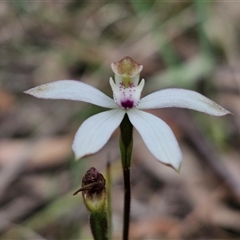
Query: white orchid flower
95,132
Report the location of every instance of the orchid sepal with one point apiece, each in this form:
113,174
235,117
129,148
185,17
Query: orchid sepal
72,90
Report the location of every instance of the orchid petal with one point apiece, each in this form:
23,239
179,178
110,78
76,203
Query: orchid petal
72,90
181,98
94,133
157,136
126,97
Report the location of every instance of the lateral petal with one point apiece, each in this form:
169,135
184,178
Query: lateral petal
157,136
94,133
181,98
72,90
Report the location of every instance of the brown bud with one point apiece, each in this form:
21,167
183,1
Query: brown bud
93,190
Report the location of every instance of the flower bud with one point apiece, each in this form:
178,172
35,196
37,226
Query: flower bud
94,190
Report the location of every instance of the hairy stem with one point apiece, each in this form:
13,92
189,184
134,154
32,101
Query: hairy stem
126,144
127,202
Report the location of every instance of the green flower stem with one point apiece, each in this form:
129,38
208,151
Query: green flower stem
109,200
126,144
126,141
99,225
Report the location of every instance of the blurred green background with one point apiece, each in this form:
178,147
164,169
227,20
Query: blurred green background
187,44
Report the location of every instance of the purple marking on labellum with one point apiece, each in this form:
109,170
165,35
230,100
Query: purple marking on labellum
127,104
